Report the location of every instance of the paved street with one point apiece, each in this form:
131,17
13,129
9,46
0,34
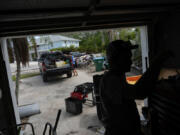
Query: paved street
31,67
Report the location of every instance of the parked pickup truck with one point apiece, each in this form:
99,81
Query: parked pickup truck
54,63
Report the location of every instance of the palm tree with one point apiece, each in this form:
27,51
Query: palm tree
111,35
21,51
10,52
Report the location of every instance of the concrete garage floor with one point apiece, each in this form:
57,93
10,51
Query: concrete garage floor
50,97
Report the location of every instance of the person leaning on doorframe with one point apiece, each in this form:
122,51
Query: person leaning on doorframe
118,97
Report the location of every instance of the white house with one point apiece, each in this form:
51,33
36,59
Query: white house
46,43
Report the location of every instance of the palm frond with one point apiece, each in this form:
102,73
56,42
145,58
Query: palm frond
21,47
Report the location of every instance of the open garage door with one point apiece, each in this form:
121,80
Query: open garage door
37,17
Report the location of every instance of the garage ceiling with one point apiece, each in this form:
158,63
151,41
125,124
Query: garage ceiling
22,17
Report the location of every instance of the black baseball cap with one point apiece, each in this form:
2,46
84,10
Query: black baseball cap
118,46
123,45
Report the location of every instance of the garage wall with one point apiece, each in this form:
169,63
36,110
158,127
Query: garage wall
167,35
164,101
3,123
9,114
12,89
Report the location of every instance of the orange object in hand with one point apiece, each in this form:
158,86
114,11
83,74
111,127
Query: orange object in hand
133,79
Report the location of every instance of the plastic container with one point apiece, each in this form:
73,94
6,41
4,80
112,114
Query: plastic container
73,106
29,110
99,63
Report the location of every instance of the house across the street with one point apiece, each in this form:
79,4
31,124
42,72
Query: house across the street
46,43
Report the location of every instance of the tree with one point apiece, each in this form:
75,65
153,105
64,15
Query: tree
97,41
21,51
10,52
111,35
133,34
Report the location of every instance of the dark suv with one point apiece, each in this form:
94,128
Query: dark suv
54,63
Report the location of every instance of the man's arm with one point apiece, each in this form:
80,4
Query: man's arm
146,84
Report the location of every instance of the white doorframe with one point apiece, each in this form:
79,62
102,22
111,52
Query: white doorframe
12,89
144,47
145,52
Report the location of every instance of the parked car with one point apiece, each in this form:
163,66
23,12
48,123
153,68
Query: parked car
54,63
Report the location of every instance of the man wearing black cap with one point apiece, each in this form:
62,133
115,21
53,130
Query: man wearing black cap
120,111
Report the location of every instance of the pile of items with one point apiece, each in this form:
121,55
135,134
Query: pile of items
84,60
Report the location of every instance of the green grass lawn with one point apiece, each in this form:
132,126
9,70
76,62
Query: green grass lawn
27,75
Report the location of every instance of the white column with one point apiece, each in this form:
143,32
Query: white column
12,89
144,47
144,50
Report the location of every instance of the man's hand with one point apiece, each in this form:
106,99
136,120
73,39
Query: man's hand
146,84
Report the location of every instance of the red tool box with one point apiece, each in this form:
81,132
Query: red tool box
81,92
80,96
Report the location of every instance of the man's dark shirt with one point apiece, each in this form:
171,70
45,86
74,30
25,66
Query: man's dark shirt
120,108
117,96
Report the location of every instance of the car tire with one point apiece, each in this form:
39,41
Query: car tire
69,74
45,79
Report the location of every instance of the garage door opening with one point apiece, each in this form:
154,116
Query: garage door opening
88,49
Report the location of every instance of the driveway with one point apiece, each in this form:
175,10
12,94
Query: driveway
50,96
